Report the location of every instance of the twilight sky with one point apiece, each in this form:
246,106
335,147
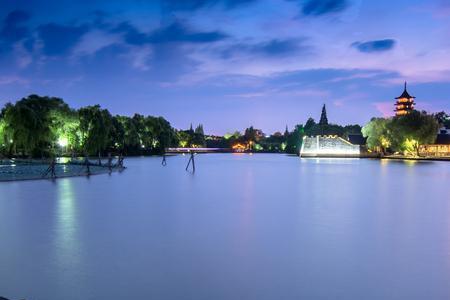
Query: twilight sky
229,64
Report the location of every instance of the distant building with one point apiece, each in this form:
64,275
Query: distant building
405,103
238,147
440,148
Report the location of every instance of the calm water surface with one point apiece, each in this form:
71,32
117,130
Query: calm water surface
242,227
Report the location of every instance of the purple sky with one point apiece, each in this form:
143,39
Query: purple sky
229,64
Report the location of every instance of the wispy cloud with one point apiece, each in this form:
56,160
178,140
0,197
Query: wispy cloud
323,7
192,5
175,32
375,46
271,48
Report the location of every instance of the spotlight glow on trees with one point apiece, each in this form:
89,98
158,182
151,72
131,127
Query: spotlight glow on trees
63,141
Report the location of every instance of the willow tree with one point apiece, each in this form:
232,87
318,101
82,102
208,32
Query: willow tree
377,134
65,129
29,123
95,127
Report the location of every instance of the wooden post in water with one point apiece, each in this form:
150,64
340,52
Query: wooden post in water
88,168
53,168
109,162
164,162
193,162
120,161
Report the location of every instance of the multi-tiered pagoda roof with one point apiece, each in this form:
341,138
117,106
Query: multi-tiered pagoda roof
405,103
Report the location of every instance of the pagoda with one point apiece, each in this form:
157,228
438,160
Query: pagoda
405,103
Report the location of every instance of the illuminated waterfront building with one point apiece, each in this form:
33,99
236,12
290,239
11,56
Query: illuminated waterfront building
405,103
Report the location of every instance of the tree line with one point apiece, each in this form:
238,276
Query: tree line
38,126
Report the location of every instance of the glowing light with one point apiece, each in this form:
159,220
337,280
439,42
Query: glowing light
63,141
385,142
258,147
410,146
239,147
328,146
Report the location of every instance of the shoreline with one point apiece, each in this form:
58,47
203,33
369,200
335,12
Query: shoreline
424,158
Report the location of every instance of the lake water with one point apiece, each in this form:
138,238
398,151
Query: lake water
242,227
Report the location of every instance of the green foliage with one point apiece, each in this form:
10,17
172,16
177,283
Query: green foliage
410,131
376,132
295,139
191,137
32,124
401,133
184,138
96,126
252,135
43,126
274,143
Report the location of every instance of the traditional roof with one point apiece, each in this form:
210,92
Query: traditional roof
405,94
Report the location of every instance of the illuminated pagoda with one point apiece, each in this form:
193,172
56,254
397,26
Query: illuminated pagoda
405,103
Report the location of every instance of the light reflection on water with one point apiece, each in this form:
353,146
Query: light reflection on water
66,239
242,227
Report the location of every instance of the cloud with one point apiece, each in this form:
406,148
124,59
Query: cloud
323,7
375,46
274,48
12,29
192,5
60,39
178,32
175,32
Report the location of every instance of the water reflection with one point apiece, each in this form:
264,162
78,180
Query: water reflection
243,227
246,212
66,231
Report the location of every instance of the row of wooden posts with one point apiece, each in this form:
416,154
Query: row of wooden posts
51,170
191,161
